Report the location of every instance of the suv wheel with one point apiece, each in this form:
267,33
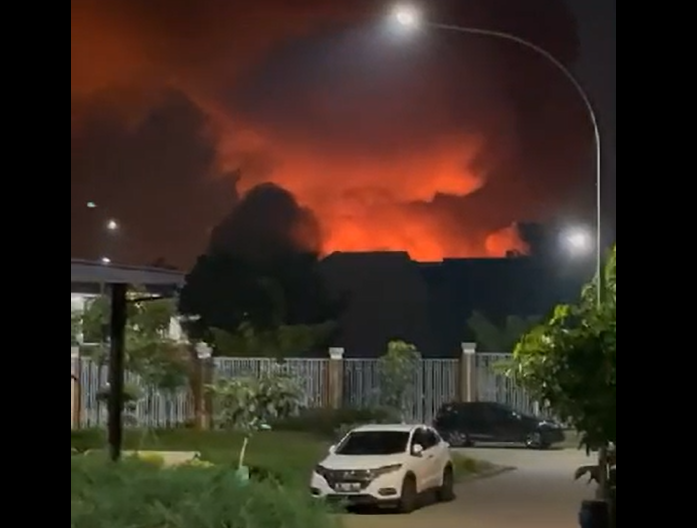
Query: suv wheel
534,440
407,500
459,439
446,492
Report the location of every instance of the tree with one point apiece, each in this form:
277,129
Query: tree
152,317
269,309
491,337
223,291
397,369
249,403
278,343
570,363
150,353
95,319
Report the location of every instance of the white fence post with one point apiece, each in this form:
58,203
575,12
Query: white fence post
468,373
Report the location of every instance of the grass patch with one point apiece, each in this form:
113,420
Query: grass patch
290,455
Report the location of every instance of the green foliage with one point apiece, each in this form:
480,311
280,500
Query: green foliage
250,403
279,342
75,326
152,317
247,403
95,319
491,337
570,362
331,423
397,369
131,395
134,493
146,318
160,362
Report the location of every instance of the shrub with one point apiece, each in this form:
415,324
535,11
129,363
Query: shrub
330,423
83,439
134,493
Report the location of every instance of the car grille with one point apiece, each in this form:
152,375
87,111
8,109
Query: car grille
359,476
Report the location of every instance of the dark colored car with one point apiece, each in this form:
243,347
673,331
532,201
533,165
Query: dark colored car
464,424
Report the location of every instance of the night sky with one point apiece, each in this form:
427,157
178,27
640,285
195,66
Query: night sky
432,142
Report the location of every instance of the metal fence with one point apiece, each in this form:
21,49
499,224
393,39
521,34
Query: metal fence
436,381
494,385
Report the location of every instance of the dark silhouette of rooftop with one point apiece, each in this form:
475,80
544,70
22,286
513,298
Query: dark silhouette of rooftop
391,296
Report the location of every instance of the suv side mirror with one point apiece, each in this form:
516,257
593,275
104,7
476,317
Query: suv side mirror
332,449
417,450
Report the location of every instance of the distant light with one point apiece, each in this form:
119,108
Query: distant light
105,260
91,205
112,225
406,16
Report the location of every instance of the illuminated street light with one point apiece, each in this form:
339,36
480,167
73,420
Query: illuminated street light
112,225
105,260
407,16
579,241
91,205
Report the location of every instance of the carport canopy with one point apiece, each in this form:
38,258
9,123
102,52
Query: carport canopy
90,277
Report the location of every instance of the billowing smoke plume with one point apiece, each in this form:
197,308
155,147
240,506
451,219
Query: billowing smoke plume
432,143
267,219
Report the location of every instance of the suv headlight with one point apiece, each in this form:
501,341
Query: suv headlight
375,473
320,470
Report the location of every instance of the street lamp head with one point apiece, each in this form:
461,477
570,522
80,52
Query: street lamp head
112,225
407,16
579,241
106,260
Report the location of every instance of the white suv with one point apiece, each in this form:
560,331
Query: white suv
386,465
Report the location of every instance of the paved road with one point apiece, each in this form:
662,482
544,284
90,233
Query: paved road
541,493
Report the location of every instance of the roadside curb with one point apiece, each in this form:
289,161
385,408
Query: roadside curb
489,473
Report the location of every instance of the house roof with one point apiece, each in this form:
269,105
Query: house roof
88,276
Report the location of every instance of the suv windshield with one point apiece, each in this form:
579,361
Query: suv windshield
374,443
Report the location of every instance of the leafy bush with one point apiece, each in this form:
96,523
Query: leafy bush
83,439
570,362
249,403
134,493
331,423
397,369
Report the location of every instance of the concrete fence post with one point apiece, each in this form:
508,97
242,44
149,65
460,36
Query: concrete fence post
335,378
205,378
468,373
75,397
